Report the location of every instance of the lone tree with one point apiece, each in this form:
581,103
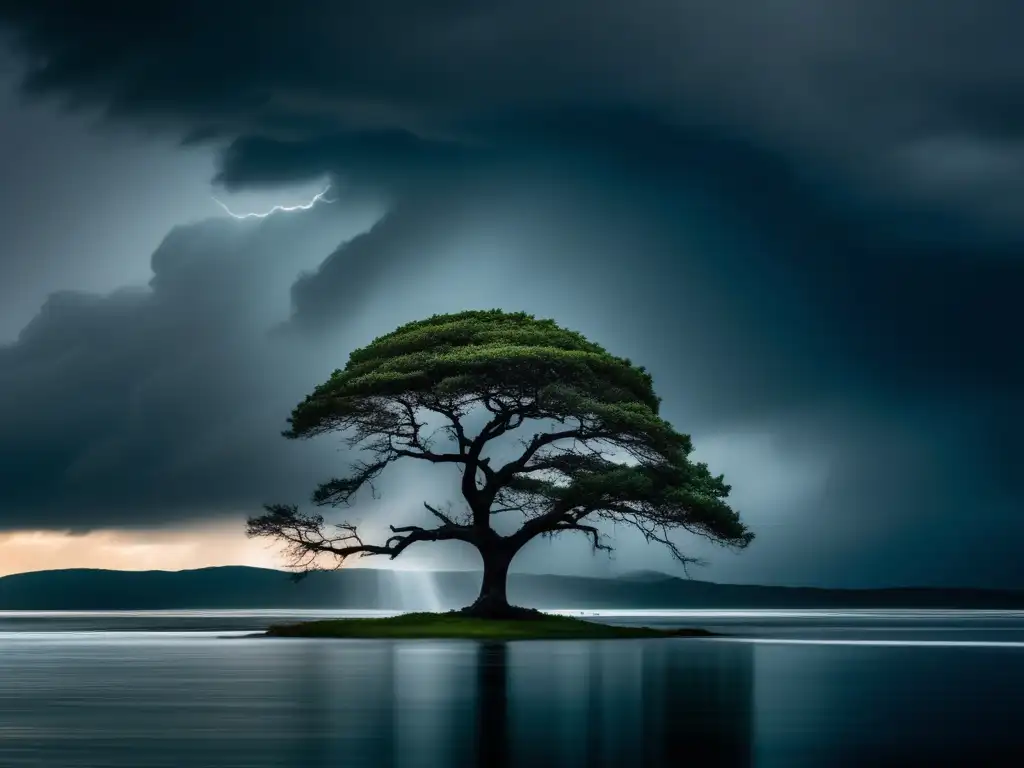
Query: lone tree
600,452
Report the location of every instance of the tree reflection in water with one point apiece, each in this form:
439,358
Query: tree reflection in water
637,704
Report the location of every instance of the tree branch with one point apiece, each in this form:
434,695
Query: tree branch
433,458
451,411
340,490
439,514
505,474
590,530
395,545
305,539
478,501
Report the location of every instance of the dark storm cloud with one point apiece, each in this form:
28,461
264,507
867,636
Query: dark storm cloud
897,313
837,69
858,94
804,218
165,403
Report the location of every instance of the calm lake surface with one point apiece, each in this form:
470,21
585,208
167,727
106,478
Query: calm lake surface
787,688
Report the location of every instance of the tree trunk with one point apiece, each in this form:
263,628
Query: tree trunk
493,597
492,603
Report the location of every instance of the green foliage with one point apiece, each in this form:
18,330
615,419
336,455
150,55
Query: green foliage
601,450
475,354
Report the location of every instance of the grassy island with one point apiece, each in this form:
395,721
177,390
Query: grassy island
455,624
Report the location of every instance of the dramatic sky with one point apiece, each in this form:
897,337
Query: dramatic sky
806,219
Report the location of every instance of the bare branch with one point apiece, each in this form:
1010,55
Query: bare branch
397,544
452,411
470,491
595,535
306,541
653,532
433,458
503,475
439,514
340,490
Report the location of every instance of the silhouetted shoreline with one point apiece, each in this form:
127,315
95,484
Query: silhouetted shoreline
240,587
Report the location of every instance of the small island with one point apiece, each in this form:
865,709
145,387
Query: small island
459,625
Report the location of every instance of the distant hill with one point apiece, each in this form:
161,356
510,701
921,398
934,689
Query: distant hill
241,587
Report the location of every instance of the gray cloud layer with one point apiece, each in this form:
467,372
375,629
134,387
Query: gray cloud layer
805,222
868,88
149,405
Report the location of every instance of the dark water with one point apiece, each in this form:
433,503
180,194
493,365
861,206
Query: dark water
808,689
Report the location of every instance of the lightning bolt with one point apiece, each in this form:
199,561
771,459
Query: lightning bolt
319,197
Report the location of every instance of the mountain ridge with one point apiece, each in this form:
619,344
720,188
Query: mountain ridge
246,587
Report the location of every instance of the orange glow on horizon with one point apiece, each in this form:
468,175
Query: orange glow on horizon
128,550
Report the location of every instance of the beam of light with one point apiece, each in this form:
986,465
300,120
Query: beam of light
418,590
317,198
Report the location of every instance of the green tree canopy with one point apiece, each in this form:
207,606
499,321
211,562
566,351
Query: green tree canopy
600,451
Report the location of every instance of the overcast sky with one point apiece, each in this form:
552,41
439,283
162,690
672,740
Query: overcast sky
804,218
